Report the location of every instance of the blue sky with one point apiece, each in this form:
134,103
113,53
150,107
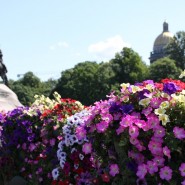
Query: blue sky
50,36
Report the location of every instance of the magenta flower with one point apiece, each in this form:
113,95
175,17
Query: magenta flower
140,123
141,171
179,132
166,152
126,121
155,147
114,169
152,167
133,131
102,126
153,120
165,173
87,148
80,133
183,182
182,169
159,161
159,131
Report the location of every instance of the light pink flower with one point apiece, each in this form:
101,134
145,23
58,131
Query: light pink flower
159,161
167,152
179,132
87,148
155,148
80,133
114,169
133,131
182,169
141,171
126,121
140,123
165,173
159,131
102,126
153,120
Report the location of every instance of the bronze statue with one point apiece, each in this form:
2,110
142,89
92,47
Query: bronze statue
3,70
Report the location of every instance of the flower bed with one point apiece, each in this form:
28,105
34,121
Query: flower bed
134,137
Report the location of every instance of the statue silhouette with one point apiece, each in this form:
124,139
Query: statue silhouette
3,70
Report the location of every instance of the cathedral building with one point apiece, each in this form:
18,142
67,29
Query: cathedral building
160,44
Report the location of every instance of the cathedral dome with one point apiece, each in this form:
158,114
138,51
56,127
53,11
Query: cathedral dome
163,39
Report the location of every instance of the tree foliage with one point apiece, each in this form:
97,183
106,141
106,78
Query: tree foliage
176,49
128,67
164,68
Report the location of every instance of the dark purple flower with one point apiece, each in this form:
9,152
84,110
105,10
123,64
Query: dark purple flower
126,109
142,94
170,88
114,108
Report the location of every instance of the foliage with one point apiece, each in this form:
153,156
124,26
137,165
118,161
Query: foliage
79,83
164,68
29,85
128,67
176,49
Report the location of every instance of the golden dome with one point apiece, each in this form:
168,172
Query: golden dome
163,39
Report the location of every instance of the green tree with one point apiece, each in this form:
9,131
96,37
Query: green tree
128,67
176,49
164,68
78,83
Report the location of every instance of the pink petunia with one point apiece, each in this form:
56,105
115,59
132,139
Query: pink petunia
155,148
182,169
87,148
179,132
159,131
127,121
152,167
114,169
133,131
165,173
80,133
159,161
167,152
102,126
141,171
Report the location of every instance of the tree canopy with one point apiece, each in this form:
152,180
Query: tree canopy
164,68
176,49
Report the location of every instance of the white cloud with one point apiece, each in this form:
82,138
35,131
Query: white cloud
106,49
60,44
63,44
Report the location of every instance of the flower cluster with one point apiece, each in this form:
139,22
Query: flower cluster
136,133
29,138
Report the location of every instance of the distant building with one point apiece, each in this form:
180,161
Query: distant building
160,44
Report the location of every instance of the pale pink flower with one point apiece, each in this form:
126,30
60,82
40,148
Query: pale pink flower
167,152
127,121
140,123
87,148
114,169
102,126
159,161
133,131
165,173
155,147
141,171
159,131
147,111
182,169
153,120
152,167
80,133
179,132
